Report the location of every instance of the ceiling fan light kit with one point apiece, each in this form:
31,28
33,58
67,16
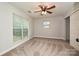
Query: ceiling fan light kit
43,12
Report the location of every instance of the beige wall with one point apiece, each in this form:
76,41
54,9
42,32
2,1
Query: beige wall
6,25
56,28
74,27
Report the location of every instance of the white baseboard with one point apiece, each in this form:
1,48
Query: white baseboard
16,45
51,37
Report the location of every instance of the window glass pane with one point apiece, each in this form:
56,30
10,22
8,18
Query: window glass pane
17,34
46,26
25,32
46,23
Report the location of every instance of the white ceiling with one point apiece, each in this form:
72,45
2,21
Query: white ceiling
62,8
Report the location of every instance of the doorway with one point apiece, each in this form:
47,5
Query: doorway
67,24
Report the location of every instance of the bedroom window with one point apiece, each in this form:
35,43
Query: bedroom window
20,28
46,24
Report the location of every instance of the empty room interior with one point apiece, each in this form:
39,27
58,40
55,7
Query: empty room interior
39,28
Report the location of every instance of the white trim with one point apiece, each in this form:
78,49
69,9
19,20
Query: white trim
71,13
75,10
51,37
13,47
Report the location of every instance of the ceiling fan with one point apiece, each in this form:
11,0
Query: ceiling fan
44,9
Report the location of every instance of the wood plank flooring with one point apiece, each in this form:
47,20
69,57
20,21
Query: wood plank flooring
43,47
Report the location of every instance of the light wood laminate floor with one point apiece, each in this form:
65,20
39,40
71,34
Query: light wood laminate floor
43,47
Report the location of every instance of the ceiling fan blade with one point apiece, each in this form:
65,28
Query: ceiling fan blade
37,11
45,8
51,7
49,12
41,7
